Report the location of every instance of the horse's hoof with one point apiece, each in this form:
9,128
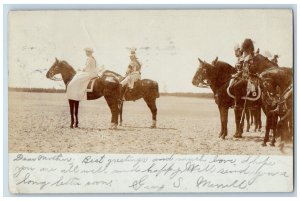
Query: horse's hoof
223,137
247,130
263,144
272,144
153,124
113,127
71,126
281,146
237,136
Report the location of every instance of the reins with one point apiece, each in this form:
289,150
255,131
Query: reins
55,78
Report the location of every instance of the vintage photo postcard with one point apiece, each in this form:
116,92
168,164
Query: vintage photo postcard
150,101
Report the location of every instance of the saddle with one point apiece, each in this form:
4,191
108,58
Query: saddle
91,84
253,89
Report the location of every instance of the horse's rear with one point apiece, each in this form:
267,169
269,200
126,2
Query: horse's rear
149,91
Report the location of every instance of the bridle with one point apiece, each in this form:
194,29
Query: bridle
279,101
202,82
205,83
52,76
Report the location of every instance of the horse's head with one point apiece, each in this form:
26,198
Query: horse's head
276,77
203,75
54,70
60,67
268,80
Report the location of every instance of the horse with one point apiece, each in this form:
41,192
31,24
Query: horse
108,86
278,81
145,88
102,87
257,64
218,76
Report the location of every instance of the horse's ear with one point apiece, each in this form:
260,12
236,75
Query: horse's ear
200,60
56,59
216,59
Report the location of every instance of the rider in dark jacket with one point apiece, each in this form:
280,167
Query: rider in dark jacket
244,56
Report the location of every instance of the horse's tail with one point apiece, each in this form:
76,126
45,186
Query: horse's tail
157,90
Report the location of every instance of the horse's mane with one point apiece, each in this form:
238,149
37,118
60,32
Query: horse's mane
66,64
262,57
225,67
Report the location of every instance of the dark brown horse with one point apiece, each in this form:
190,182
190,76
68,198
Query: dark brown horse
108,86
145,88
278,82
218,76
257,65
102,87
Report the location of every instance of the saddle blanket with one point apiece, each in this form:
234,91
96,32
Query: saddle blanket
253,90
91,84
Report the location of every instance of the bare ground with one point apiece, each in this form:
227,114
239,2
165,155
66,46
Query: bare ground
39,122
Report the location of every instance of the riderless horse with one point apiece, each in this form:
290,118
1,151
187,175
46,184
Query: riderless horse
277,84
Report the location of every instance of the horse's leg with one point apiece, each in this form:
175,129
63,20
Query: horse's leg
256,119
71,105
221,118
259,119
151,103
238,115
76,113
248,119
224,120
114,109
274,120
121,112
291,126
242,122
268,125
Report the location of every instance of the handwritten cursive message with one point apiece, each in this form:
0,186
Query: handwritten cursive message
112,173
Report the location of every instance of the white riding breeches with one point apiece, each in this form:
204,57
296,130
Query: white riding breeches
130,79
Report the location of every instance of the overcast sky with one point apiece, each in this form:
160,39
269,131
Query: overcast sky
168,42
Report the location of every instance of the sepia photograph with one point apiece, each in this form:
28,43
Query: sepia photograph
150,100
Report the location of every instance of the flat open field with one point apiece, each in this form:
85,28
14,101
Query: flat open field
39,122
